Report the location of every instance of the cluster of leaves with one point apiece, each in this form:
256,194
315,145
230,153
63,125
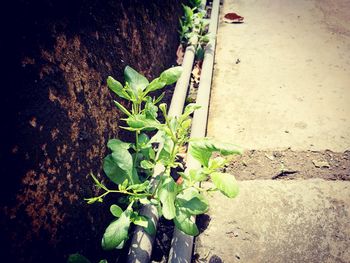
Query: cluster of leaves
143,171
194,28
195,3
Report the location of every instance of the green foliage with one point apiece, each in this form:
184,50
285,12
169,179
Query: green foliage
77,258
117,232
194,28
116,210
118,166
131,166
192,202
226,183
202,149
195,3
185,222
167,195
146,223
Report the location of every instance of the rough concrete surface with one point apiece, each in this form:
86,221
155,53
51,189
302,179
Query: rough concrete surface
282,78
280,221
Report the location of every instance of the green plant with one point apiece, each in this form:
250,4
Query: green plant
145,171
194,30
195,3
186,24
77,258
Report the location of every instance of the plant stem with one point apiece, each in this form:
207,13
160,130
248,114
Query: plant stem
127,193
108,191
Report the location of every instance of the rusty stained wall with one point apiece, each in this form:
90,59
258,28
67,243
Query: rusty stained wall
57,113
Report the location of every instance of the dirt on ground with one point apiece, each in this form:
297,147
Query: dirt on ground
289,165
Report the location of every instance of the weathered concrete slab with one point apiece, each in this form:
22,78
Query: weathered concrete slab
280,221
282,79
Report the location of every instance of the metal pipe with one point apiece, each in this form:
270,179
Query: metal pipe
182,244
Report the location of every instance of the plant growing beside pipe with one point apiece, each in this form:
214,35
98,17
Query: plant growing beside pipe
193,29
147,170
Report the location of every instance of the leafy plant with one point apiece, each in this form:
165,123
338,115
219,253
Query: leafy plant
195,3
193,29
146,171
77,258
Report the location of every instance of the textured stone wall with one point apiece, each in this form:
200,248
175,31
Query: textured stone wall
57,113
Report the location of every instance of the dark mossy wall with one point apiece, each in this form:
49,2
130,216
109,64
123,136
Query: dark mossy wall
57,113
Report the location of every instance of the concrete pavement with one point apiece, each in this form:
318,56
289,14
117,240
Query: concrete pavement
282,79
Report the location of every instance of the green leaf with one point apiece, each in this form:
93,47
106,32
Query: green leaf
226,183
148,152
195,3
184,222
139,187
118,166
92,200
151,110
185,125
144,201
140,221
197,175
165,151
146,223
77,258
163,108
116,210
205,39
189,109
192,201
103,261
115,144
117,232
173,124
156,84
167,194
136,81
165,146
216,163
202,149
123,185
188,14
200,52
122,108
171,75
113,170
143,140
141,122
147,165
117,88
161,96
151,154
150,229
